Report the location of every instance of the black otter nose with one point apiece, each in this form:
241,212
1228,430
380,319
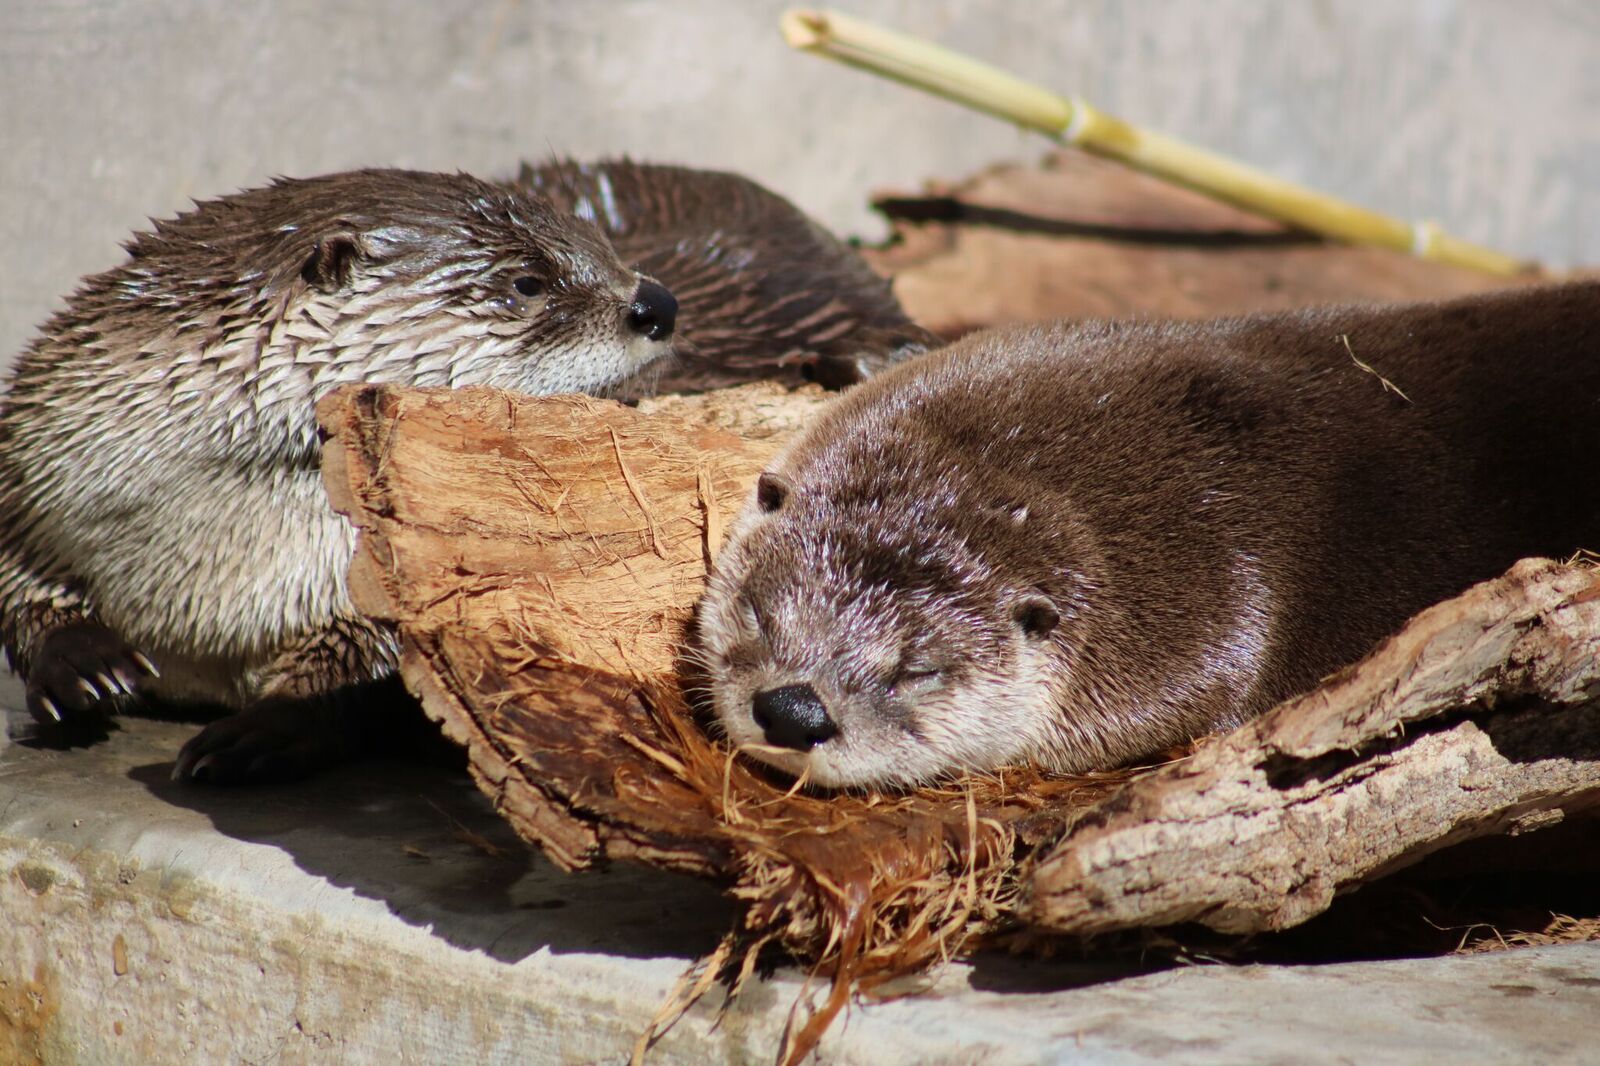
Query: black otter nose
793,717
654,311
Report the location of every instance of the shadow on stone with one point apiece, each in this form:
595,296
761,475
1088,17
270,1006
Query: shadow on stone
994,971
424,842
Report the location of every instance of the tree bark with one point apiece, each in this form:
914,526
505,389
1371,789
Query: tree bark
1482,716
541,558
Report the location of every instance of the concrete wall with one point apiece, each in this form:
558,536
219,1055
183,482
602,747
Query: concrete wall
1485,115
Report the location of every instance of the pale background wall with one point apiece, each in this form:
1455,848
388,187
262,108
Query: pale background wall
1482,113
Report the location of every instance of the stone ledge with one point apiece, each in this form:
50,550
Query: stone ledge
383,914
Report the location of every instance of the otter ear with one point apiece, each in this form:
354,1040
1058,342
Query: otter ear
1035,615
772,491
329,266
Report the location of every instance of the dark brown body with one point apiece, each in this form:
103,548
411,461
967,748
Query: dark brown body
1076,545
762,290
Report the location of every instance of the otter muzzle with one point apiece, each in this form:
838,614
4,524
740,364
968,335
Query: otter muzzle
793,716
654,311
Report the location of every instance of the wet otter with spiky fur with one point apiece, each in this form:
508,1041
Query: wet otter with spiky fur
163,527
163,533
1076,545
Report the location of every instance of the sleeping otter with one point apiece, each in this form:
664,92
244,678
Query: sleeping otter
1074,545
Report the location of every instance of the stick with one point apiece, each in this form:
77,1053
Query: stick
929,67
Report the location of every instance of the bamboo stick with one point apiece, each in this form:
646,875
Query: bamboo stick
960,78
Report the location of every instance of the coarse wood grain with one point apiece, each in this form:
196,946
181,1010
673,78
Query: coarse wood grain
1481,717
541,558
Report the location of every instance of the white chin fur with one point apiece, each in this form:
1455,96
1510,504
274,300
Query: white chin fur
906,768
834,765
984,728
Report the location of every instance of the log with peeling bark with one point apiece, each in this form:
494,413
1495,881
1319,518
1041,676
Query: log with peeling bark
1482,716
541,558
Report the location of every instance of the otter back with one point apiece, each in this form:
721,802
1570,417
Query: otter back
762,286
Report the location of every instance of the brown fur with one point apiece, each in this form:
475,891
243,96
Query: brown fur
759,284
1076,545
158,456
161,507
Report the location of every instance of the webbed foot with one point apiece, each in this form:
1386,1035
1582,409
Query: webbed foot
287,738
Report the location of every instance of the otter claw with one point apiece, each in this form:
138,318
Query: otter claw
276,740
82,673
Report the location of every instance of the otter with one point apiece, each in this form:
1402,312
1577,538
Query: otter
1077,545
164,539
163,529
764,291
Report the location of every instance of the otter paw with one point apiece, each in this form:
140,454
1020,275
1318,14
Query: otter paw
82,673
836,373
271,742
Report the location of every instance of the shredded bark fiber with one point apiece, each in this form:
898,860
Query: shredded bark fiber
541,558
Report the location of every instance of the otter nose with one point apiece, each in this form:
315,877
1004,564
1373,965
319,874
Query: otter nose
793,717
654,311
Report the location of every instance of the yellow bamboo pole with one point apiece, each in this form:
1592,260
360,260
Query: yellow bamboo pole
938,70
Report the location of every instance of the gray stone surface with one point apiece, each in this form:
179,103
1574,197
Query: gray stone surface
382,914
1483,115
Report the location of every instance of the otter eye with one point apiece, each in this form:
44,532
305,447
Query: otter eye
753,618
908,677
528,285
771,492
1035,615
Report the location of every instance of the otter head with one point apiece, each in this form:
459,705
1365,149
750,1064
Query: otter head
284,292
859,641
445,279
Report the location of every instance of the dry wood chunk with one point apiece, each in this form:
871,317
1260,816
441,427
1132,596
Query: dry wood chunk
1078,237
1482,716
541,558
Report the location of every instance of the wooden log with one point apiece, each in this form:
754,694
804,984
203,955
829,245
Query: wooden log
1076,237
542,557
1482,716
